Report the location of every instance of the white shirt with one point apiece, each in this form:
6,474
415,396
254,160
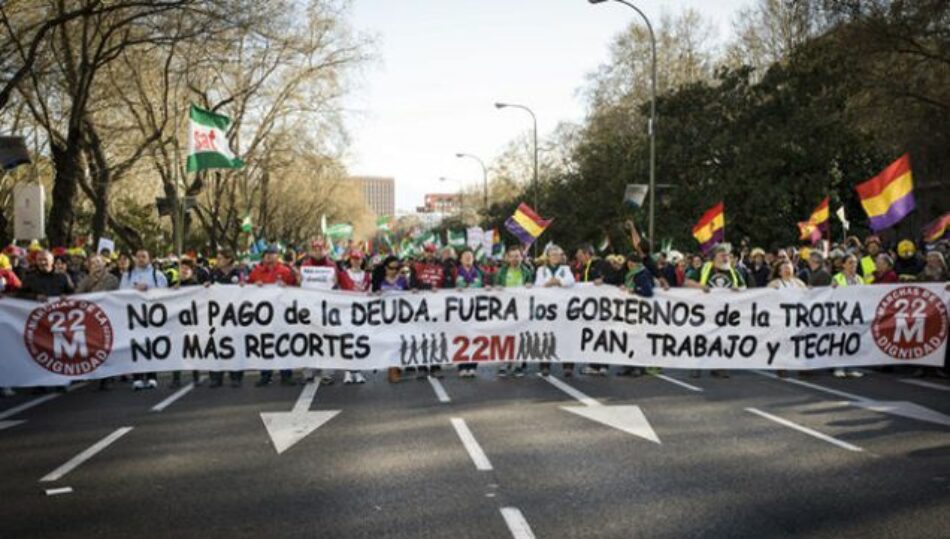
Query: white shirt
563,274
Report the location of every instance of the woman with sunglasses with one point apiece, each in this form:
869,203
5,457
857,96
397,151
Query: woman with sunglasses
388,277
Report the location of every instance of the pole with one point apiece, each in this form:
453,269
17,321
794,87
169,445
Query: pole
651,128
534,120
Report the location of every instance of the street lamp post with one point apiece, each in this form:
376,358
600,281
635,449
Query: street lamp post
484,176
534,119
652,125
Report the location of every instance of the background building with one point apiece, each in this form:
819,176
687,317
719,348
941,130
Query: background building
441,203
379,192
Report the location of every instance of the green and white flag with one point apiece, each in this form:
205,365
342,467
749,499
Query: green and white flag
456,238
246,225
604,244
339,231
425,238
208,141
383,223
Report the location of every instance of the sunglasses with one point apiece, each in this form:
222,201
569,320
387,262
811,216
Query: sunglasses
393,268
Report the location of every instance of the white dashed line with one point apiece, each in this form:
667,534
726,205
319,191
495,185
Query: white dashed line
516,523
928,385
90,452
806,430
574,393
58,491
174,397
680,383
471,445
439,390
27,405
816,387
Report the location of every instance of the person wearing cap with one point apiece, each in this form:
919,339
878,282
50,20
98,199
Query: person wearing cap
269,272
885,273
431,273
639,281
872,247
759,271
322,275
354,278
907,265
718,273
554,273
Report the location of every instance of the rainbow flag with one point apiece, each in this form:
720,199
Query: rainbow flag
526,224
711,228
888,197
817,224
937,229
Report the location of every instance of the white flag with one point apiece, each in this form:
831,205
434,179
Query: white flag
841,217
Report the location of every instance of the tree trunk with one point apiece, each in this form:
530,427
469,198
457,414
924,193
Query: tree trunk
67,167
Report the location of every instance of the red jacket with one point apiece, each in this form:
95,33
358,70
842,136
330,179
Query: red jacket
346,282
11,283
270,275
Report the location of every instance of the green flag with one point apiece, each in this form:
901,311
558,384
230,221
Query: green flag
339,231
456,238
208,141
246,225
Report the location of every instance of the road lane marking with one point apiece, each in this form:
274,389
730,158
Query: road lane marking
27,405
816,387
517,524
58,491
174,397
574,393
680,383
929,385
305,399
439,390
8,424
806,430
471,445
87,454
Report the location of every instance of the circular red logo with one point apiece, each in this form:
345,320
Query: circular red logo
69,337
910,323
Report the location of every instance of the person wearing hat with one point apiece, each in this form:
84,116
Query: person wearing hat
269,272
717,273
908,264
872,247
431,273
935,269
759,271
354,278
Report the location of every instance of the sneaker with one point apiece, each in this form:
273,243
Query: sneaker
855,374
502,372
358,378
152,383
138,384
309,379
348,378
589,371
604,371
839,373
519,372
327,380
393,375
7,392
545,371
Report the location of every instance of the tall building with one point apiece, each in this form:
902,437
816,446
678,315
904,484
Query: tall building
379,193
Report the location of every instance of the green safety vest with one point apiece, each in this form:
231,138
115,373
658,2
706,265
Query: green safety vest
707,271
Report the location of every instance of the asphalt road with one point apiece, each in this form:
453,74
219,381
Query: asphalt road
749,456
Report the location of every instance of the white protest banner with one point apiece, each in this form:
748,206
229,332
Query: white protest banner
226,327
317,277
105,244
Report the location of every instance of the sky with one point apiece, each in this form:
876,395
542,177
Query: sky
442,64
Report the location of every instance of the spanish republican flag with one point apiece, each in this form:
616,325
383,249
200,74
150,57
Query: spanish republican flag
817,224
937,229
711,228
888,197
526,225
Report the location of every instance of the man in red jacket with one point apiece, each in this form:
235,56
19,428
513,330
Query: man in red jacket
272,271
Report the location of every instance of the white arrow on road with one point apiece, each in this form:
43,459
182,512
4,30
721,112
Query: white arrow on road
626,417
898,408
288,428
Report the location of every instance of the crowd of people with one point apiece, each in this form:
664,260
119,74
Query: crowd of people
40,274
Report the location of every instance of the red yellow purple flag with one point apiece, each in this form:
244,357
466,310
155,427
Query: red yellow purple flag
711,228
888,197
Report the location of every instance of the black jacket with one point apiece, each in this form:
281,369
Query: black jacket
50,284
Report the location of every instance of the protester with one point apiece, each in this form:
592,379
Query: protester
638,281
316,271
885,273
784,277
815,273
225,273
554,273
717,273
98,279
848,277
908,264
143,276
43,283
388,277
9,281
514,274
354,279
271,271
591,270
759,272
935,269
872,247
467,275
433,274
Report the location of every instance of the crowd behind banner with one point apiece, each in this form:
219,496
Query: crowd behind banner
43,275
